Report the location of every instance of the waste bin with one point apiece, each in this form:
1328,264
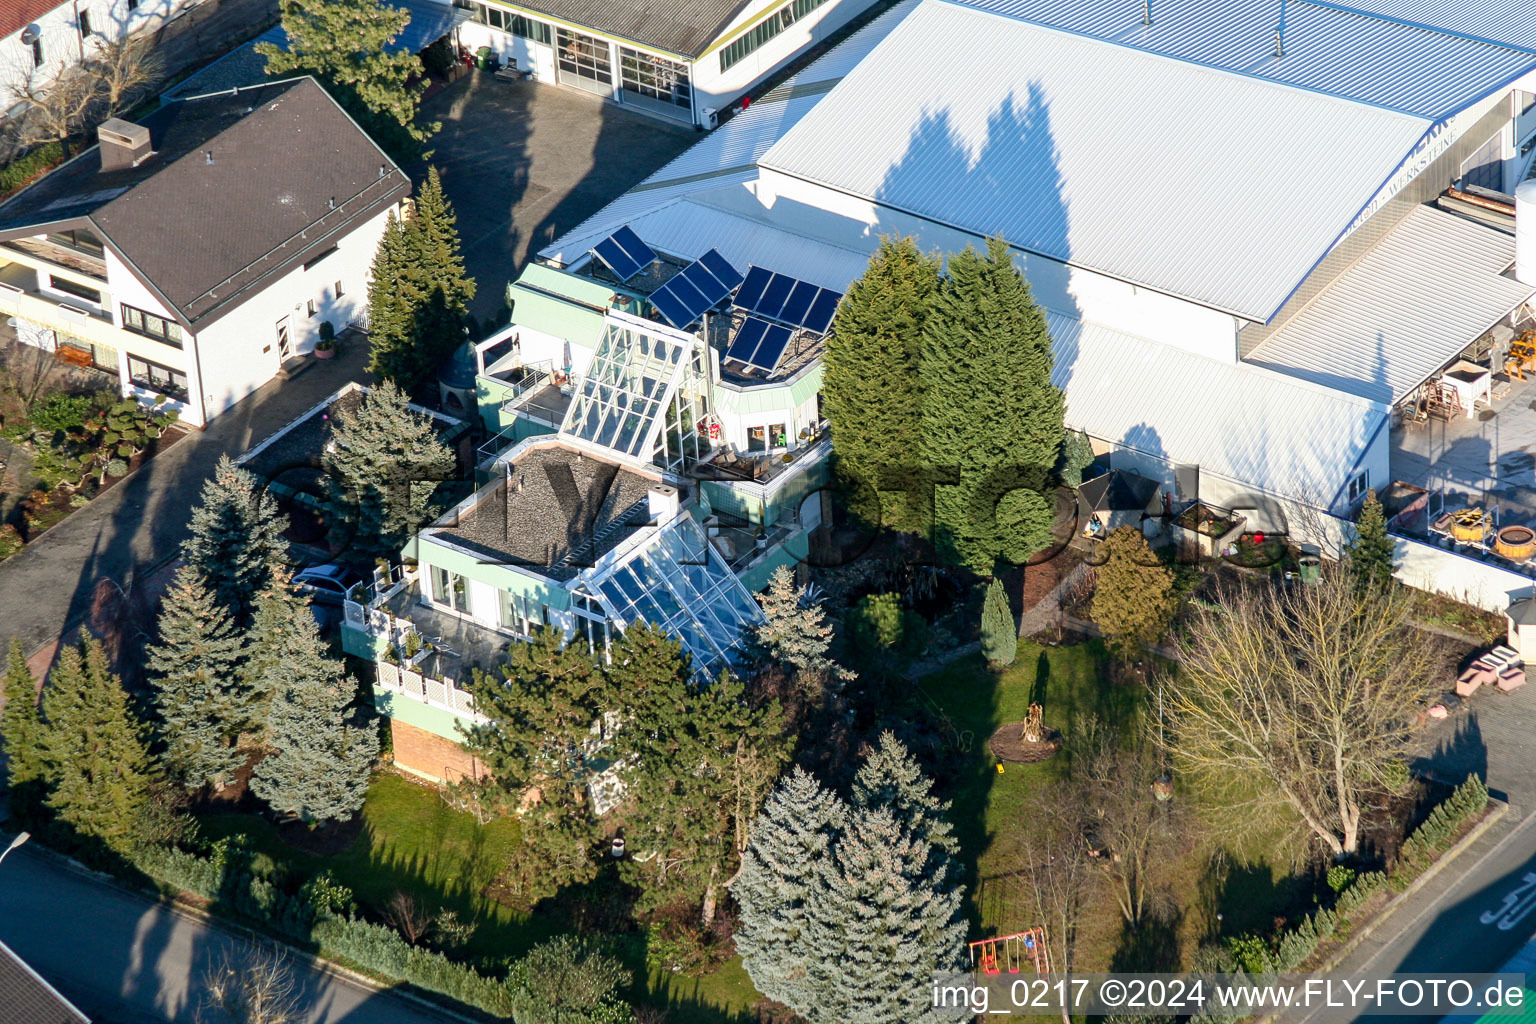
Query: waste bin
1310,568
483,59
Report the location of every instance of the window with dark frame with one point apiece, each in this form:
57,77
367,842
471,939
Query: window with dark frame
85,24
767,29
313,307
655,77
584,57
79,291
151,326
338,289
37,53
78,239
162,379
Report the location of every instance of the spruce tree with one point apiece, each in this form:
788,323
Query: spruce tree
392,304
1076,456
21,732
999,635
344,43
201,697
380,467
781,892
1133,596
235,540
891,777
872,388
991,418
322,748
795,632
689,751
95,748
1373,554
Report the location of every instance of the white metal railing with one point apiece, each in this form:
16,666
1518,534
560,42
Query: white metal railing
431,692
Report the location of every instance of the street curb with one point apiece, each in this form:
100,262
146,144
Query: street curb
1500,808
218,922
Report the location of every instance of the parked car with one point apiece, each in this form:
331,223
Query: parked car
327,584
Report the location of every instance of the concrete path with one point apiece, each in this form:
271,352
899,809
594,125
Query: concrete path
125,959
47,588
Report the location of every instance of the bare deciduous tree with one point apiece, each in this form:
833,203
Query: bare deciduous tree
1302,696
255,988
28,373
61,100
1057,874
121,66
408,917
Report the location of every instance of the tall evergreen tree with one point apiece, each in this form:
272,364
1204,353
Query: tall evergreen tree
380,465
699,761
417,316
991,418
235,540
781,889
21,733
872,391
344,43
323,749
849,910
795,632
1373,554
999,635
201,696
95,747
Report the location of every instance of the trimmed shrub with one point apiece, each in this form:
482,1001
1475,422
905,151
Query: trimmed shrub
22,170
1469,799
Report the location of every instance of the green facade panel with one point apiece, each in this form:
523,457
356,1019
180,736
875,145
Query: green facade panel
438,721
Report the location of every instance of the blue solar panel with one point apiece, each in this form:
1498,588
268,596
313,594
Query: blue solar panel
819,319
672,308
747,339
721,268
774,295
752,288
624,253
711,288
775,340
799,303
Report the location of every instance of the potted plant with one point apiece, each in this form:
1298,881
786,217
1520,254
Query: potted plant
325,348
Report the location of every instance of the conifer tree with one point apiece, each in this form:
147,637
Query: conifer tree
95,748
21,733
380,465
781,893
991,418
999,634
1373,554
322,748
344,43
795,632
420,294
392,303
872,390
698,761
201,696
891,777
1133,597
1076,456
235,540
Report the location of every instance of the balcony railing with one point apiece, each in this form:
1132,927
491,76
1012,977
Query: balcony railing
431,692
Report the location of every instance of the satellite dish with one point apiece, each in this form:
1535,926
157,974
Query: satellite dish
30,35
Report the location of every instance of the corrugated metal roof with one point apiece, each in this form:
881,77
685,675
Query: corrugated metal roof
1285,436
729,154
1510,22
1092,153
1327,49
1423,294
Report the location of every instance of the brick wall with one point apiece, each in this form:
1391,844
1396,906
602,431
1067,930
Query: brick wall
430,755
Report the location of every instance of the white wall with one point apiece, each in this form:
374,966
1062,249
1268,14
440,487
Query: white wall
1481,584
62,43
239,351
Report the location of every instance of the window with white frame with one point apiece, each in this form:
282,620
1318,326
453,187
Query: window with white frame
1359,485
584,56
168,382
450,589
157,327
655,78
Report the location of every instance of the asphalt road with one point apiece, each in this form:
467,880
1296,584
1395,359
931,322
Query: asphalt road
124,959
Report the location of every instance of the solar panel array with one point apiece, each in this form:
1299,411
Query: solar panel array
759,343
625,253
698,287
787,300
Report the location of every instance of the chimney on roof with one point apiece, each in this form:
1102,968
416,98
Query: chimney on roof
1146,12
208,156
123,144
663,503
1279,43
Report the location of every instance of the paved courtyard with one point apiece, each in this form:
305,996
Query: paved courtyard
523,163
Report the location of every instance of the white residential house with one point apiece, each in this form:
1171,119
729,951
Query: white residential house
194,253
39,38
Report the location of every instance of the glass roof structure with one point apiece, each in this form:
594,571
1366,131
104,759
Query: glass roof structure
643,394
678,582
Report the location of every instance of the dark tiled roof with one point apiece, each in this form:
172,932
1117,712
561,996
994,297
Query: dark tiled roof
566,498
16,15
25,998
203,233
685,28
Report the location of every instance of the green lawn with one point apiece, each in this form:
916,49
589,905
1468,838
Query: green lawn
412,842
